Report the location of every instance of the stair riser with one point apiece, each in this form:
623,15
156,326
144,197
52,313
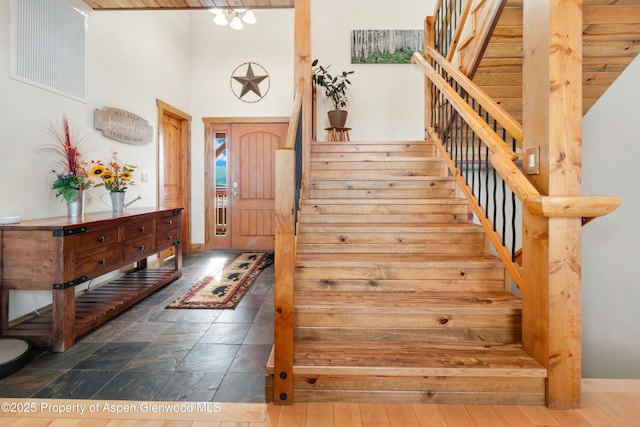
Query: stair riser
383,237
498,335
433,218
433,383
316,241
374,174
431,183
396,248
381,194
407,149
370,208
439,321
398,163
418,152
442,398
434,390
409,285
450,275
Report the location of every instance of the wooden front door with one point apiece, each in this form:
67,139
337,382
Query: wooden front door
246,200
252,189
174,189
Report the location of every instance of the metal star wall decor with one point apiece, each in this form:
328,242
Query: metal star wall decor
250,82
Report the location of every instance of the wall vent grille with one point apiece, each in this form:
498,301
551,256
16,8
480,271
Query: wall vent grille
48,46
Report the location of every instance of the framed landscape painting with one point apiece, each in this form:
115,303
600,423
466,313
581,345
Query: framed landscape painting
385,46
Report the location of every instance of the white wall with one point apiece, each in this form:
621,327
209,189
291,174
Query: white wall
611,289
132,59
385,100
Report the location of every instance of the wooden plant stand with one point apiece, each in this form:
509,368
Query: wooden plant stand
337,133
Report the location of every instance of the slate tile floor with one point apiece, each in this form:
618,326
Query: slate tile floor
149,353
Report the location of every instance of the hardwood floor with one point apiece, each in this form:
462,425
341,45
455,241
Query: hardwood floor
605,403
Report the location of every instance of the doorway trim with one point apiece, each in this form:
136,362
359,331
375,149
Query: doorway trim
224,124
165,109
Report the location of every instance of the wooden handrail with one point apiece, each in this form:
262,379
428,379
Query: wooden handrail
285,256
586,207
295,115
511,125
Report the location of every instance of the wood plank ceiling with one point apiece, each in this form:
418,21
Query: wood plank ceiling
187,4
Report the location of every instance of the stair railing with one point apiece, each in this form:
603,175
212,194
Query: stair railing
450,17
478,140
480,143
288,168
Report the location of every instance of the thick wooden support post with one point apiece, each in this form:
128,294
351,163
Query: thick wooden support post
302,52
552,120
429,99
284,276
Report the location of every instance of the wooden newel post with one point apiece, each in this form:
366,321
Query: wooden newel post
284,277
552,122
429,102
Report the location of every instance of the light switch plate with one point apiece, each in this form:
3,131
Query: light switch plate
532,161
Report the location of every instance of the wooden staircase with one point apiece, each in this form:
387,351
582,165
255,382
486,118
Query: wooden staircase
397,298
610,43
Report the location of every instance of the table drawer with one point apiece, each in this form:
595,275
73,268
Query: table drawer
98,263
167,238
139,249
167,222
139,229
87,242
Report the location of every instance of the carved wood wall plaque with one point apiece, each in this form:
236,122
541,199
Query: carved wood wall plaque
123,126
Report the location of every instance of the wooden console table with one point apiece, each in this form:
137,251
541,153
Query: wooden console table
57,254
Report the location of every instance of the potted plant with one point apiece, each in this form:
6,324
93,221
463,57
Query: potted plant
73,178
116,176
335,88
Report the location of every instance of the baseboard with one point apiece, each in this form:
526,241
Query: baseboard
607,385
197,247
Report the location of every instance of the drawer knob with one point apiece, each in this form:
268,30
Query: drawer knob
101,239
101,261
142,247
170,222
141,229
169,237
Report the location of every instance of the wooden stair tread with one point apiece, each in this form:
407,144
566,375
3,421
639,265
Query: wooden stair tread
414,358
352,143
406,302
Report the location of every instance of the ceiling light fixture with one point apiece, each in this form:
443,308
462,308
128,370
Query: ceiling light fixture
235,18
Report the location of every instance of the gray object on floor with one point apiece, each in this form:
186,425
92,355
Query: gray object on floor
14,354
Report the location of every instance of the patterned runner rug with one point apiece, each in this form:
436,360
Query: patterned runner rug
225,288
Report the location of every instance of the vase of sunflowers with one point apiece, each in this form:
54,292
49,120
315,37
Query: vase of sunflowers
74,178
116,177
